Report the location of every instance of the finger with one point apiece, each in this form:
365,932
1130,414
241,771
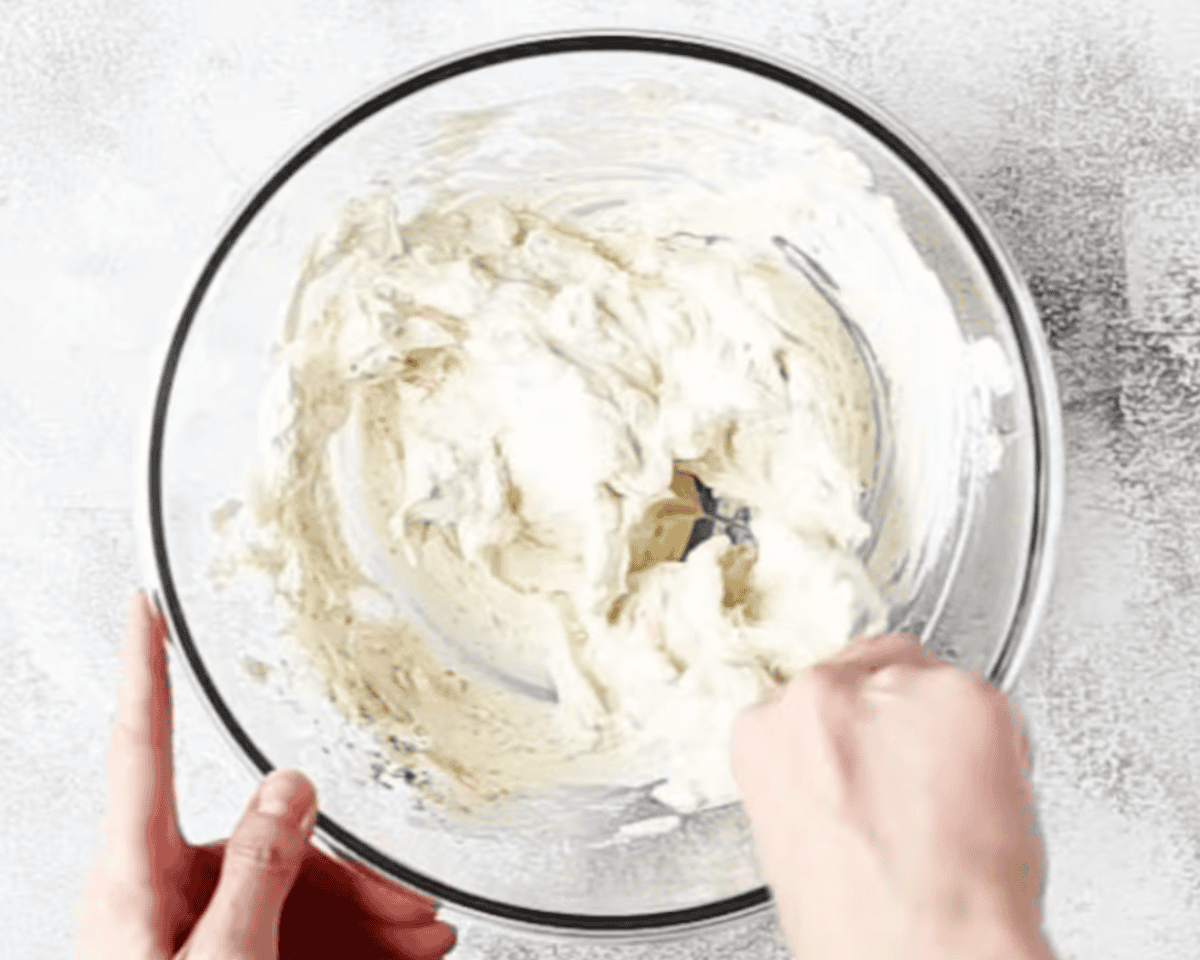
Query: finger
327,885
326,913
388,901
141,828
772,755
761,737
262,859
420,943
869,654
199,875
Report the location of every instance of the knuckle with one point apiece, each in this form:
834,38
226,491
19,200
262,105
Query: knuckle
977,700
896,674
261,853
960,685
127,736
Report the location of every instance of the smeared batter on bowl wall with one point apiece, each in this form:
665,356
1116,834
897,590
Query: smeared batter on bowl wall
535,425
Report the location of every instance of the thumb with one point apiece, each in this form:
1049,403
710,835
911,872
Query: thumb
262,859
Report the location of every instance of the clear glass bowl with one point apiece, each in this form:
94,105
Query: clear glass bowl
966,568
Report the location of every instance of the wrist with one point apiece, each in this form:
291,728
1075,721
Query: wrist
997,938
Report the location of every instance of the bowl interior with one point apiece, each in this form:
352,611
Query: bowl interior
592,125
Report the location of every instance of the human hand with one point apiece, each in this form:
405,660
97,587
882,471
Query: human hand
263,893
888,795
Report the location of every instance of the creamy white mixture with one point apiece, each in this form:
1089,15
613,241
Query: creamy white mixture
517,416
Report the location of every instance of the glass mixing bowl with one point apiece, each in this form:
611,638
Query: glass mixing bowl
963,511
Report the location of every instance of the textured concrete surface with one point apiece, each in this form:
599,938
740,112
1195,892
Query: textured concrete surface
130,131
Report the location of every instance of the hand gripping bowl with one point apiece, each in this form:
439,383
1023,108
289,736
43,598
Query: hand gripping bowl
962,502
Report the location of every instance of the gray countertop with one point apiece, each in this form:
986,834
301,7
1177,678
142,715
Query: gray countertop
131,132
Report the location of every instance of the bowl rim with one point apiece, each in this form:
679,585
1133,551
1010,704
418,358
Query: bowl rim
993,255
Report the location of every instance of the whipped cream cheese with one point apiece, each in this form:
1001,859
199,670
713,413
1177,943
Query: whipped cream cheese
558,488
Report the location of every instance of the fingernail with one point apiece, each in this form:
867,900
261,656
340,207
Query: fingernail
286,793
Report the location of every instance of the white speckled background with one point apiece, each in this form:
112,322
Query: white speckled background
130,131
